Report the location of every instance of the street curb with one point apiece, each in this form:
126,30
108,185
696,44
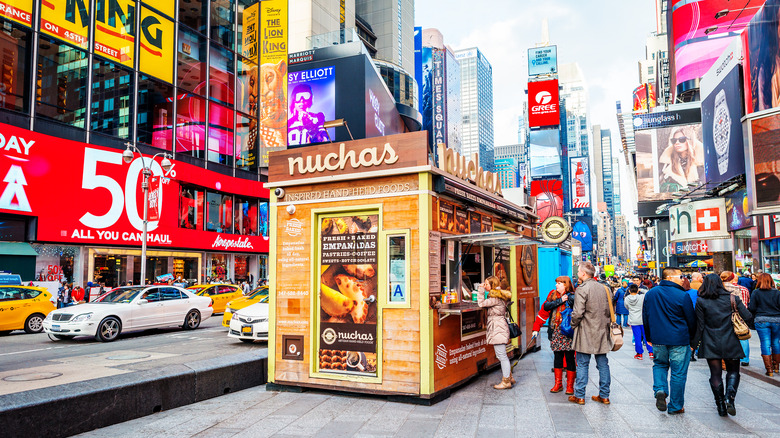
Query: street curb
79,407
759,375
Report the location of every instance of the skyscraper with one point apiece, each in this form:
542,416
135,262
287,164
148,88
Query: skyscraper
602,157
574,92
477,105
616,186
508,161
393,23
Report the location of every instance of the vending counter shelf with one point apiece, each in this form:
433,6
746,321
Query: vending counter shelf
366,237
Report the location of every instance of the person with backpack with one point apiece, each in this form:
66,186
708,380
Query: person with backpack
634,304
621,312
558,306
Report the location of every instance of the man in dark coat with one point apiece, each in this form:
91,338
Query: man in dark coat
746,281
670,323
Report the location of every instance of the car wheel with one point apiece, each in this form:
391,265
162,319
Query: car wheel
248,341
64,337
108,329
34,323
192,320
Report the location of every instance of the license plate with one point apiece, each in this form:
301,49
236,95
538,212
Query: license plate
246,329
55,328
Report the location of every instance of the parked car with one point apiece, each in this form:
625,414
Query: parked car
258,295
220,293
130,308
23,308
250,323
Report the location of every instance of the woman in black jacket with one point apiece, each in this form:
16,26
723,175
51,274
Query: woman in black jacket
716,340
765,307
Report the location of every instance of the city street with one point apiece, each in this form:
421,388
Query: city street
477,410
34,361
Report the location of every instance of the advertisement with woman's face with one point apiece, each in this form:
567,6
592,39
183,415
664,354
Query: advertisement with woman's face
669,160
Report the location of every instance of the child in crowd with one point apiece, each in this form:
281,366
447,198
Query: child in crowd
634,303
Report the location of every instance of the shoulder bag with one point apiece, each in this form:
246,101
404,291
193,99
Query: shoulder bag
514,329
741,328
566,328
615,330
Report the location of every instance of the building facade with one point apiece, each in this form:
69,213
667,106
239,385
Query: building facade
574,92
477,105
393,23
508,161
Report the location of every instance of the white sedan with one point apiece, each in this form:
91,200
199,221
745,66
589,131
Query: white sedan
129,308
250,323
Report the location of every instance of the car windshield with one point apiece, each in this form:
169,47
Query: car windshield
122,294
260,291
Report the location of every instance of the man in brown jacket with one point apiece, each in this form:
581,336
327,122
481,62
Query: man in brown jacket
590,319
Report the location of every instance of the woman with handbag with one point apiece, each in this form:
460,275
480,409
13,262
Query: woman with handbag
497,326
558,306
720,320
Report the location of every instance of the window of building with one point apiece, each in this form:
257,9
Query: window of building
112,88
191,125
191,72
15,67
221,131
191,208
222,17
222,71
245,221
62,82
193,13
219,212
155,113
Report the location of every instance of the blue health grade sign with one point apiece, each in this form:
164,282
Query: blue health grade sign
542,60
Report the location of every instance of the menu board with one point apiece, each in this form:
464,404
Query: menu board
348,317
434,263
487,224
475,222
446,217
461,220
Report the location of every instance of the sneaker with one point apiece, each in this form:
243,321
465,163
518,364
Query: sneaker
660,401
651,355
638,356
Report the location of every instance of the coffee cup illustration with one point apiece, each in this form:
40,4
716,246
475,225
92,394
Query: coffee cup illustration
354,360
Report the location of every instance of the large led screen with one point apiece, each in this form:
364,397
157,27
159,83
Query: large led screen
764,183
721,111
579,176
549,198
669,160
312,95
545,153
763,58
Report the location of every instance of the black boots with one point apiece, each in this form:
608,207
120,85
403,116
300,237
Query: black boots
720,399
732,383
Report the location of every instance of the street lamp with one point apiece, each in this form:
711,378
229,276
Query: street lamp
127,156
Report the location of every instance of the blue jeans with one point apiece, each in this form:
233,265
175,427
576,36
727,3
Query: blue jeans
624,318
602,364
639,338
769,335
745,349
676,357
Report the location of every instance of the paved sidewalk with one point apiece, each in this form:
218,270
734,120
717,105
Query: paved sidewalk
477,410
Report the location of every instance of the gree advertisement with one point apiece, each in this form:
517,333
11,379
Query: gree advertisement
44,176
312,96
347,294
156,48
115,30
543,103
19,11
67,20
579,175
542,60
698,220
273,71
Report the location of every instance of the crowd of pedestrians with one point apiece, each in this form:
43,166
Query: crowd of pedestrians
674,318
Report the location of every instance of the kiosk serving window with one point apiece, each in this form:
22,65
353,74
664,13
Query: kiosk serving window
348,268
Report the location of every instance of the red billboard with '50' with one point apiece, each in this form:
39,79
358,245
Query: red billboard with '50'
86,194
543,108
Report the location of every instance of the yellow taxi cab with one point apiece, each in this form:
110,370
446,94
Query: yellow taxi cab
258,295
220,294
23,308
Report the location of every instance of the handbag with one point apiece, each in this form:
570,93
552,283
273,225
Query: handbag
741,328
514,329
615,330
565,327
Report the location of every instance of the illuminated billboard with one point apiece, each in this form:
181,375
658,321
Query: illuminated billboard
669,160
763,174
67,20
115,31
19,11
312,103
761,74
545,153
156,48
579,184
543,102
549,197
273,71
542,60
644,95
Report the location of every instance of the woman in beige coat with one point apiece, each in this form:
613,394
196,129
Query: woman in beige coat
497,327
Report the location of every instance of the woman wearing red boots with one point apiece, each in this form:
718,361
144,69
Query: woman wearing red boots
560,344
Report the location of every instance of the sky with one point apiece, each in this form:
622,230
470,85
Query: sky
606,37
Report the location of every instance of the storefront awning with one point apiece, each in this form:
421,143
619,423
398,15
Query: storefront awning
17,249
495,239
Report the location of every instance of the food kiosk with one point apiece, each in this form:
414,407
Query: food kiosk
376,251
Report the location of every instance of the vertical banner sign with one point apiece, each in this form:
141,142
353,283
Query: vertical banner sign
251,22
439,96
115,30
19,11
155,198
156,52
579,173
347,320
67,20
273,70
